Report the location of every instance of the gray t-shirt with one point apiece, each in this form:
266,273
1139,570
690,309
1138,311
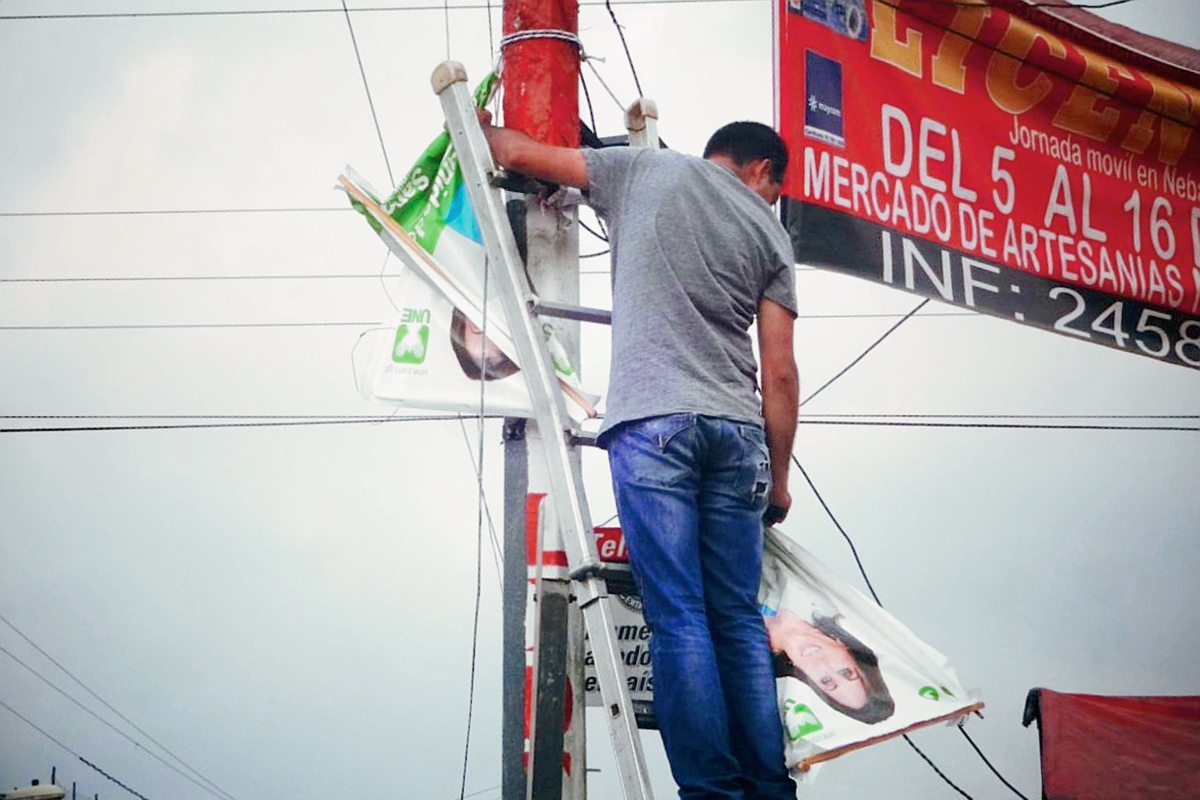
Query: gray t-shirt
693,251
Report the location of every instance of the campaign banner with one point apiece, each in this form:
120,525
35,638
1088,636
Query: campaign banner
450,331
960,152
848,673
632,632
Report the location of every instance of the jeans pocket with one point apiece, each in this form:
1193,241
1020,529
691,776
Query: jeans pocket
659,431
655,451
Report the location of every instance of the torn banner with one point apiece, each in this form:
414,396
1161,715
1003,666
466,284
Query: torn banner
849,674
450,329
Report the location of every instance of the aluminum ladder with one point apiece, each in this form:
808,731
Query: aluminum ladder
558,436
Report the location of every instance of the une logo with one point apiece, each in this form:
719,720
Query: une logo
799,719
412,337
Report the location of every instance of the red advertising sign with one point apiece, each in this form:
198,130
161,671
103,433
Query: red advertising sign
957,150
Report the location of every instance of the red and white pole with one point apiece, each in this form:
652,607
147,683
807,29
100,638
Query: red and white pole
541,98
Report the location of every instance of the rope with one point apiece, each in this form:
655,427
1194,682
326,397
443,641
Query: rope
542,33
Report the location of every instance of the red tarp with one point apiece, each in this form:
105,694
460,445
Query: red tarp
1098,747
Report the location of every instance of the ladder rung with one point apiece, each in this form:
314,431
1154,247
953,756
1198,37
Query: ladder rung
582,439
545,308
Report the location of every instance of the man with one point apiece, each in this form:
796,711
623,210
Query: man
697,256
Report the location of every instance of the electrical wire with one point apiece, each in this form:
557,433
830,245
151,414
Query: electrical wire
1003,425
112,727
285,11
367,86
158,211
270,421
497,550
863,571
202,426
148,278
110,707
186,326
33,725
995,771
853,550
862,355
802,419
114,780
587,96
934,767
596,72
625,45
602,237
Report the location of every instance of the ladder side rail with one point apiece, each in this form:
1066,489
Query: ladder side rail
449,82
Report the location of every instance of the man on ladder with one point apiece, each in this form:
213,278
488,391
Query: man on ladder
697,456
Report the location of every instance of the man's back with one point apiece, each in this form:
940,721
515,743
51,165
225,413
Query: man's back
694,252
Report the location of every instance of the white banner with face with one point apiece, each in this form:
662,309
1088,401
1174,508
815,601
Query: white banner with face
848,673
431,356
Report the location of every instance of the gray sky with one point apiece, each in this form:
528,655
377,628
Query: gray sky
289,609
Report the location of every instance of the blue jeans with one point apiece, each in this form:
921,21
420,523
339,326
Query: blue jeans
691,491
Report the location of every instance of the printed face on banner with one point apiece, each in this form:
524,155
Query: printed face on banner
962,153
847,671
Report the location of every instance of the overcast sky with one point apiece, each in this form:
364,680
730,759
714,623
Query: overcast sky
289,609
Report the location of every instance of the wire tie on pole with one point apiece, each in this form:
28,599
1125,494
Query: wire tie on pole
543,33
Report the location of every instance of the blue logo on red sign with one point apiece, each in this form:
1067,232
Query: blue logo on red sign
823,103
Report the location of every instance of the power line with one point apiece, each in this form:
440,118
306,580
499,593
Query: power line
109,725
995,771
1011,416
1002,425
33,725
149,278
863,355
625,45
205,425
803,419
114,780
267,421
361,324
110,707
285,11
370,102
934,767
186,326
158,211
863,571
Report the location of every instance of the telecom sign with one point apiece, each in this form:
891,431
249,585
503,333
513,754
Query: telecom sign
963,153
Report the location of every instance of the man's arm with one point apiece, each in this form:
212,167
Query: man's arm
780,397
515,151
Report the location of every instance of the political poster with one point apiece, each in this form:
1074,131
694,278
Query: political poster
450,331
961,152
848,674
632,632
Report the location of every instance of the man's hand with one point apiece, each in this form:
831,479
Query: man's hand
777,511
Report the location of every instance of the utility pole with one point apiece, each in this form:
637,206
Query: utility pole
545,699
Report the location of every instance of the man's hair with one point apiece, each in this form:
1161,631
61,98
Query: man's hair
744,142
